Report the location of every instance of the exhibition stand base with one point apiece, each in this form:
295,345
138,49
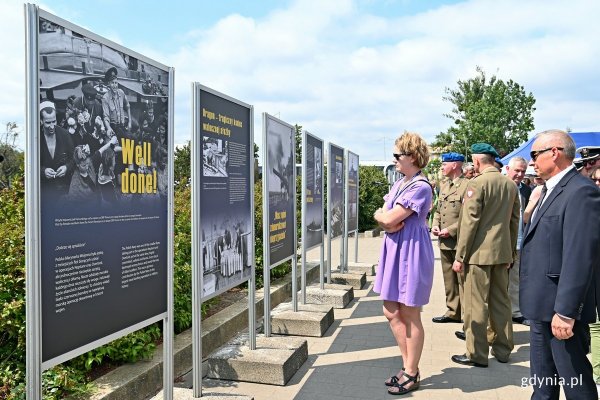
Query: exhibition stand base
336,296
360,268
310,319
354,279
274,361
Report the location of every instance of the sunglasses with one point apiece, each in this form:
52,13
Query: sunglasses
590,162
398,155
535,153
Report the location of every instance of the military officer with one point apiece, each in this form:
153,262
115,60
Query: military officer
445,226
487,238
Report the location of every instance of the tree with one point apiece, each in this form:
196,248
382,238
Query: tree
182,166
490,111
12,161
298,132
433,168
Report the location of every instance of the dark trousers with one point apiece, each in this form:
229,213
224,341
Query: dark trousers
561,363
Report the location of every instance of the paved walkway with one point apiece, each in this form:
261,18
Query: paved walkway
358,353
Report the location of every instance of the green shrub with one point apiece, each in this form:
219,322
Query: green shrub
372,187
12,289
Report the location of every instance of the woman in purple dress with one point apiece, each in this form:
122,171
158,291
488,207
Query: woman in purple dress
405,272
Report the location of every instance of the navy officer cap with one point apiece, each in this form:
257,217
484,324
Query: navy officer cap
484,148
449,157
589,152
110,74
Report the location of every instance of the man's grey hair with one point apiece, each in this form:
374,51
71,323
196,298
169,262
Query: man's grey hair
561,139
486,159
467,166
516,159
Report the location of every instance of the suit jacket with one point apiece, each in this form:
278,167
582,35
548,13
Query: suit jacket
560,253
525,192
448,209
489,221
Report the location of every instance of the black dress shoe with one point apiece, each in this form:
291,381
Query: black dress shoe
521,320
460,335
464,360
443,319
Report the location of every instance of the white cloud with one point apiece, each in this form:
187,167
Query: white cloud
355,78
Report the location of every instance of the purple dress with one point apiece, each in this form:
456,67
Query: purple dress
405,270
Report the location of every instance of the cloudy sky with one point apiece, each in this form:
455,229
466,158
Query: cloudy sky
354,72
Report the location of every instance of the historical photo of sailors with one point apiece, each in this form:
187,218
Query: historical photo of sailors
92,97
214,157
226,252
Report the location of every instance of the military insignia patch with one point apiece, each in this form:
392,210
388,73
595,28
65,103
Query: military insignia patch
469,193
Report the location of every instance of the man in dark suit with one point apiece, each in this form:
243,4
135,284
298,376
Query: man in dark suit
56,155
515,170
560,271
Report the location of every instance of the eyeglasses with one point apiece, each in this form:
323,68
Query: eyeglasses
398,155
597,180
535,153
590,162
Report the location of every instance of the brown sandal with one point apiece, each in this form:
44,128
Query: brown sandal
401,386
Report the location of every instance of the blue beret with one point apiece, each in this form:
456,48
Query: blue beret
448,157
484,148
499,161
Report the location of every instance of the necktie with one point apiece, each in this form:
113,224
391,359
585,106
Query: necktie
542,195
541,200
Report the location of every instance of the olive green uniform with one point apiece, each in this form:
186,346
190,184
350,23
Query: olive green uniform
487,237
446,216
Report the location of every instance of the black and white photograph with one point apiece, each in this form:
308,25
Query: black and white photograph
313,210
103,155
281,189
214,157
318,167
338,172
92,98
226,252
336,190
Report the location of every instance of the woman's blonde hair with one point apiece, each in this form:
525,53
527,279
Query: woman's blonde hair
413,144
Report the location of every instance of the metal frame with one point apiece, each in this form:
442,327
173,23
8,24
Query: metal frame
329,187
35,366
266,213
169,321
304,229
33,325
197,261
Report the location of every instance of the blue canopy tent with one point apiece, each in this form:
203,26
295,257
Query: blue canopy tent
580,138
